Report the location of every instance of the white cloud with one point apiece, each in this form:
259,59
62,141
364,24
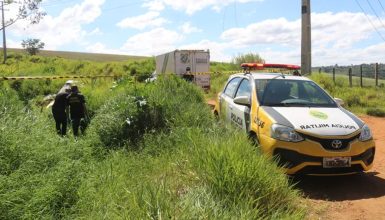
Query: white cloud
102,48
272,31
192,6
13,44
150,19
154,5
334,38
217,50
95,31
187,28
340,30
67,28
154,42
97,48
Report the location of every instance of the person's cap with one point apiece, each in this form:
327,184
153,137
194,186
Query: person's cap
69,82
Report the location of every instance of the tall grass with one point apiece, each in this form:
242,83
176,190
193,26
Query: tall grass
193,169
171,161
40,172
358,100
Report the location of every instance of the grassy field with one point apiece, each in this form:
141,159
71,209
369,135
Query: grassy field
366,100
144,156
356,81
97,57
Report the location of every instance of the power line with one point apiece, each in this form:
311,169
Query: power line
381,5
235,13
378,17
375,28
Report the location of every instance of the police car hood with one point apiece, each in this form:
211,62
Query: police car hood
319,121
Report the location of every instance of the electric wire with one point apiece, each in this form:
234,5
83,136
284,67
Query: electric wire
381,5
374,11
370,21
235,13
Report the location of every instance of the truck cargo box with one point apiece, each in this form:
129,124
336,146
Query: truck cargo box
186,62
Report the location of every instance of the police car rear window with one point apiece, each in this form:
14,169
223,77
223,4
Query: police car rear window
232,86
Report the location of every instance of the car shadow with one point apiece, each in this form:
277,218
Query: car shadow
341,188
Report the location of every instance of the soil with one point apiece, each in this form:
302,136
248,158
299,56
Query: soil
359,196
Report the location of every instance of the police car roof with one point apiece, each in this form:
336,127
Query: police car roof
261,75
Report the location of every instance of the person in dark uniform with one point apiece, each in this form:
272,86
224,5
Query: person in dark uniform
78,110
60,111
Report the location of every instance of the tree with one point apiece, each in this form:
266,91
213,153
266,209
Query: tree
27,9
247,58
32,46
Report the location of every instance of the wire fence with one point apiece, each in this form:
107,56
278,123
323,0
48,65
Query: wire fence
364,75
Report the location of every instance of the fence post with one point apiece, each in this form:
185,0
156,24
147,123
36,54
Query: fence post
376,73
334,75
350,77
319,70
361,83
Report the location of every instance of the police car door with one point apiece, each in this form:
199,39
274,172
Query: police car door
226,98
240,114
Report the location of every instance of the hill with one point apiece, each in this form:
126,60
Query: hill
98,57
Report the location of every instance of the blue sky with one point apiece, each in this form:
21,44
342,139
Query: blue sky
342,32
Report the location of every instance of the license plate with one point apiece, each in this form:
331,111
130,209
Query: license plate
332,162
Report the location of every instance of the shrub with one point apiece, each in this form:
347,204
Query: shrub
375,112
247,58
353,100
124,119
32,46
27,90
141,69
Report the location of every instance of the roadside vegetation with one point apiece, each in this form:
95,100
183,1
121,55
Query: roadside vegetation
144,156
366,100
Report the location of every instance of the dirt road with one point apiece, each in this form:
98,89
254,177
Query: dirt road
360,196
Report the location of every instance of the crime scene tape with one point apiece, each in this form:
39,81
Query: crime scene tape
117,76
55,77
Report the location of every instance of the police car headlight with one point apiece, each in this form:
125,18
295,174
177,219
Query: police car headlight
366,133
284,133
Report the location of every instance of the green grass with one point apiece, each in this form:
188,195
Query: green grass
19,64
98,57
356,81
162,158
358,100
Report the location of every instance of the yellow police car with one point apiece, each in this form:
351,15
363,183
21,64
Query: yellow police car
296,121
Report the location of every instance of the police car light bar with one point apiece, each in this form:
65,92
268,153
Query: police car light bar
261,66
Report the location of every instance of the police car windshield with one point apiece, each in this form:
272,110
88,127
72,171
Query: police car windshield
292,93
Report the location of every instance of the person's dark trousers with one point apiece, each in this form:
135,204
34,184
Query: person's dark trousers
61,125
75,126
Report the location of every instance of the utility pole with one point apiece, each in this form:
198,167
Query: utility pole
306,38
4,40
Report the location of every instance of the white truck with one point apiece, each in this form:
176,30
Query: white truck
192,65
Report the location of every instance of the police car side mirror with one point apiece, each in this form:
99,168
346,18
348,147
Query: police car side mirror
339,101
242,100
